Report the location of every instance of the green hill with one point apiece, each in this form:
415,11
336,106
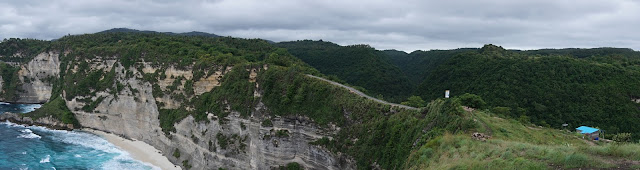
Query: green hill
419,64
548,89
358,65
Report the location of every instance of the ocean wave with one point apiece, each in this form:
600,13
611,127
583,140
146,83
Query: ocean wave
4,103
30,107
46,159
125,162
11,124
122,160
28,134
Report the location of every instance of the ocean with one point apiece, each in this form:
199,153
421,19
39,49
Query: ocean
34,147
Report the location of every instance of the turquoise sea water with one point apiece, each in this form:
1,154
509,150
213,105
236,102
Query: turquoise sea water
34,147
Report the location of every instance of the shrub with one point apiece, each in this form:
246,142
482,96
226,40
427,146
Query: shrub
472,100
176,153
267,123
622,137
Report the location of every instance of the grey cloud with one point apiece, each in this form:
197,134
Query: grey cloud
405,25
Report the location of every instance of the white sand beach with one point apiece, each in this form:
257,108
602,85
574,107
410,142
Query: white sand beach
138,150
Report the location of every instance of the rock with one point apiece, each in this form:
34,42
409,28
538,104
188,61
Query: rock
480,136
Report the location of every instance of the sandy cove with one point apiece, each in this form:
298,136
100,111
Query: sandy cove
138,150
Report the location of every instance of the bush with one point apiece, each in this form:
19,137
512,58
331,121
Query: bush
472,100
414,101
176,153
267,123
291,166
622,137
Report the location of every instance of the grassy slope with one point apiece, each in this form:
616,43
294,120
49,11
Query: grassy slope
516,146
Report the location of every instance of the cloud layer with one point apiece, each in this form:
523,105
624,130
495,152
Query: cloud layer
405,25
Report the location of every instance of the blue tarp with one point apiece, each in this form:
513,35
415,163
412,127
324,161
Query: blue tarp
586,129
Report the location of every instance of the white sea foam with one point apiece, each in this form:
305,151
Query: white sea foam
30,107
4,103
11,124
125,162
122,161
28,134
46,159
24,153
77,156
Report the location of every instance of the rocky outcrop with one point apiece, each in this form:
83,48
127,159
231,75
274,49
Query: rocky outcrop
49,121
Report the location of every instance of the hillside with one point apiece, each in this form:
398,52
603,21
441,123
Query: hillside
516,145
417,65
357,65
550,90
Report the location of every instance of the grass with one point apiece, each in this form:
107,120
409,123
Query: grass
517,146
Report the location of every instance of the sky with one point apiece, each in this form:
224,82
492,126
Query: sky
405,25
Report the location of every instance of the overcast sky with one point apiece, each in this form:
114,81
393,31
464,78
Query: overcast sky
384,24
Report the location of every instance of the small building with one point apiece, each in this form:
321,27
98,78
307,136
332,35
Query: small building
590,132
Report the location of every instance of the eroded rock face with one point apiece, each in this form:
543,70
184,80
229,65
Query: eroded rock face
35,77
244,144
238,143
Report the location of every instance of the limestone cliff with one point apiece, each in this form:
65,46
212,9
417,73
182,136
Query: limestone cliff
35,78
236,142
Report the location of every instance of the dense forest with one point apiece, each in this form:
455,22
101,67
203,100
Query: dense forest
357,65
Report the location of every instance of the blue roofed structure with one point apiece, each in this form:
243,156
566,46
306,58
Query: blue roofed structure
590,132
586,129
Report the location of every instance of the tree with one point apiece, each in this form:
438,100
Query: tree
414,101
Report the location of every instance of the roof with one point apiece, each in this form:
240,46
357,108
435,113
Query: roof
586,129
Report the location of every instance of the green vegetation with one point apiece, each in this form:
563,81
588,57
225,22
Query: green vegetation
472,100
519,146
223,140
549,90
267,123
415,101
11,84
358,65
186,164
176,153
291,166
24,49
168,117
418,65
57,109
282,133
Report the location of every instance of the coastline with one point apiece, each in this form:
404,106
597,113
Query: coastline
138,150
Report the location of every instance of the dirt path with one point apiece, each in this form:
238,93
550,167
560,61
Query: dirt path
362,94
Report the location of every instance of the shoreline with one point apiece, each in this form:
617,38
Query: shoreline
137,150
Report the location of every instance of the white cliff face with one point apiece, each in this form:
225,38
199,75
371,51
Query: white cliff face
35,76
249,145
